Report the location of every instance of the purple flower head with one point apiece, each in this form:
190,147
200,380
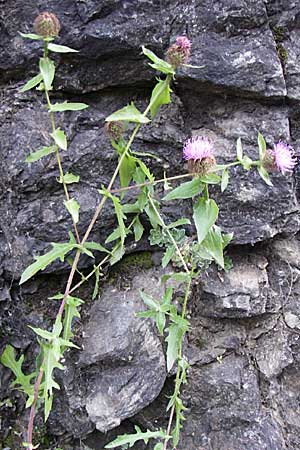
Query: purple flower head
184,43
197,148
199,153
284,157
179,53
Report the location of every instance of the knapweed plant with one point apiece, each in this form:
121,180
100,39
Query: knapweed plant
188,256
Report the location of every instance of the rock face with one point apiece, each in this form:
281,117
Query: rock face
244,346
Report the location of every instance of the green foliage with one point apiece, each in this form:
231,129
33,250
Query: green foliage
189,255
52,349
69,178
264,175
225,180
33,36
67,106
61,49
205,215
60,138
71,311
44,151
73,208
22,382
261,145
176,330
239,150
96,288
129,113
32,83
138,229
185,190
157,310
58,251
47,70
157,63
160,96
131,439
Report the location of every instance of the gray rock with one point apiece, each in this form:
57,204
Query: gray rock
121,367
243,291
244,343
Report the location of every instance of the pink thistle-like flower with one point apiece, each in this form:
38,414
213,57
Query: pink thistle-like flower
199,152
184,43
284,157
197,148
179,53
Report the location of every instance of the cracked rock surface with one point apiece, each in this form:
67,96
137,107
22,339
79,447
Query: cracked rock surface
243,389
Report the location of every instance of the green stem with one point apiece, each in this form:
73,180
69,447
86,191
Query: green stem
77,255
178,379
61,172
164,226
205,192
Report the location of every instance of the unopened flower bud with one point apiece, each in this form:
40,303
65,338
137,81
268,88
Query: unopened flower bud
201,167
268,161
114,130
47,25
179,53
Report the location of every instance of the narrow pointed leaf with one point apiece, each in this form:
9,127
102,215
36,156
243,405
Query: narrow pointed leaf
239,149
69,178
58,251
261,145
138,229
264,175
47,70
225,180
158,64
129,113
34,37
61,48
44,151
185,190
67,106
160,96
32,83
73,207
60,138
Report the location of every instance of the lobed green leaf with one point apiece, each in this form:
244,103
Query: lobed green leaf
58,252
131,439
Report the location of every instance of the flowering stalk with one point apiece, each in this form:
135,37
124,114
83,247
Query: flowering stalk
209,246
57,155
85,238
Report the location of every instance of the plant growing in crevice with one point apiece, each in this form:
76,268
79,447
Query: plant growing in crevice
189,255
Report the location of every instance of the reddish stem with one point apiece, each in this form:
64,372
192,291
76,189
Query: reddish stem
32,409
